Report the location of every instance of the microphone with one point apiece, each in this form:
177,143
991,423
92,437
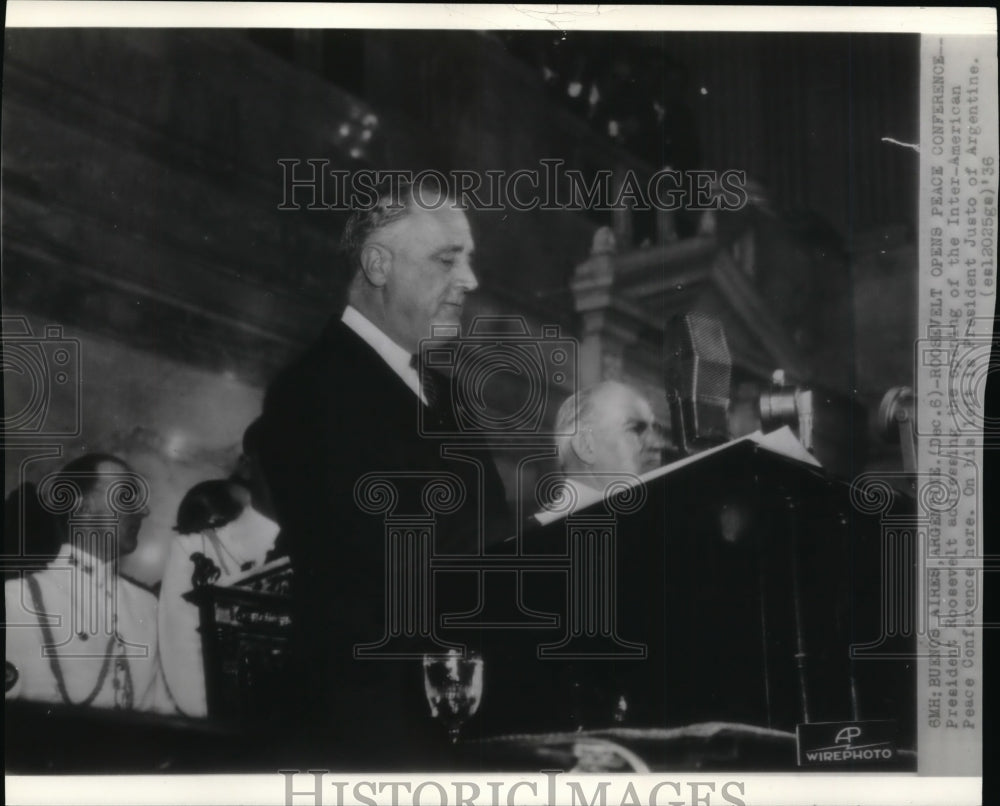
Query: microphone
699,376
784,405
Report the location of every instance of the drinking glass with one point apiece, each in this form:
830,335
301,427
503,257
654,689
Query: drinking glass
453,682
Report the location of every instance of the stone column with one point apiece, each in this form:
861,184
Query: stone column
609,323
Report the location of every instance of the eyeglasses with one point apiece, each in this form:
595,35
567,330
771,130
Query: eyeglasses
643,427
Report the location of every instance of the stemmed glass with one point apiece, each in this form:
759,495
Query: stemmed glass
453,682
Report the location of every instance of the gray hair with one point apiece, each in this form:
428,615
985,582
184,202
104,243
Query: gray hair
394,200
576,412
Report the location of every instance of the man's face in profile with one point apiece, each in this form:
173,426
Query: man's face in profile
431,272
625,435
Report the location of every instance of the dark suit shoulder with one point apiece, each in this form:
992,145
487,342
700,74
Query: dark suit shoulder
305,369
339,388
338,365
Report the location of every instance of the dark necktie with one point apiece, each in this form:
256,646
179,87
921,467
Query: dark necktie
428,382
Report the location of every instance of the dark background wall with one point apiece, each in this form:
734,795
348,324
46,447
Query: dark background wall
141,195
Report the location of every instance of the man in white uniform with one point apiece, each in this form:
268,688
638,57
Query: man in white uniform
77,632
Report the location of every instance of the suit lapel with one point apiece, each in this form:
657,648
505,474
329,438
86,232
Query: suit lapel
357,370
347,352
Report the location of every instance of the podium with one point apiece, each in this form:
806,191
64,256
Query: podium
752,581
246,642
740,586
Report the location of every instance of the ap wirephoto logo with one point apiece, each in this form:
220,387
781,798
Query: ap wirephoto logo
847,743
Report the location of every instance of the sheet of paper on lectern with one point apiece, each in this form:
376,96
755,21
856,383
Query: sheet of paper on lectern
781,441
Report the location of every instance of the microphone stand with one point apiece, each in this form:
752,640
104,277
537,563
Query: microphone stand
678,425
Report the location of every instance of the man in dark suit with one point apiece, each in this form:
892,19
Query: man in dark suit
349,407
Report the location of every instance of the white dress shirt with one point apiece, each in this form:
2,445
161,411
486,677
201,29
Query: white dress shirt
80,598
395,356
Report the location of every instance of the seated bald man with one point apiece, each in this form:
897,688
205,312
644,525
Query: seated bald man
78,633
608,433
